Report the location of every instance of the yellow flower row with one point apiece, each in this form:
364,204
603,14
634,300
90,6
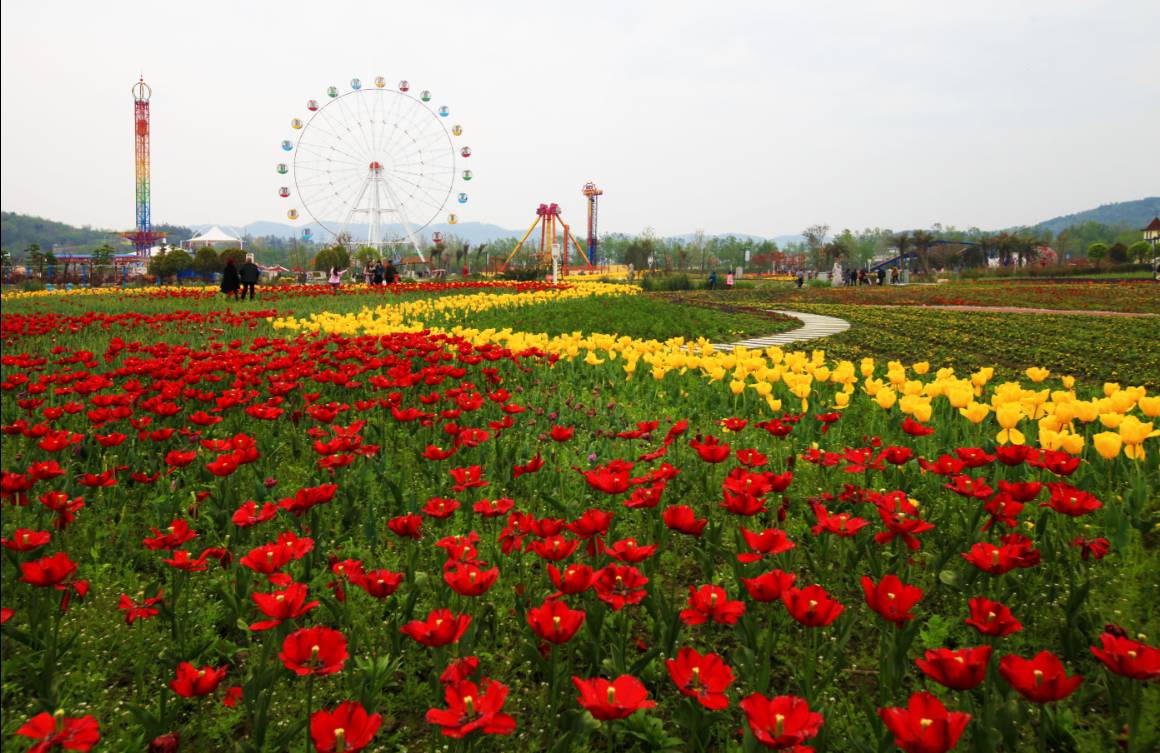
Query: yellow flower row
21,295
421,313
1059,414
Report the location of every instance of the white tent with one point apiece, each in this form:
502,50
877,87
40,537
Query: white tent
215,236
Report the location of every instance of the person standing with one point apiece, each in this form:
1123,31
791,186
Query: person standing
713,279
230,280
389,274
377,274
335,278
249,275
729,281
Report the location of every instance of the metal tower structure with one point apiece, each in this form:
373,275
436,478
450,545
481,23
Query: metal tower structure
552,228
143,236
592,193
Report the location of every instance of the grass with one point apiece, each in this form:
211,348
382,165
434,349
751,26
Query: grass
1129,296
637,316
1093,349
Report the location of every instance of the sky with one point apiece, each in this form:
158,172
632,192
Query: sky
751,117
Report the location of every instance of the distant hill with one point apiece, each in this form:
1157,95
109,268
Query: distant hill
469,232
19,231
1134,214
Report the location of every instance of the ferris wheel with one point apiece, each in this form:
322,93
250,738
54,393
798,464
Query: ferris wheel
376,157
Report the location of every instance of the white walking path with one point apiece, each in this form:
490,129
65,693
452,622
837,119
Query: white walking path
813,327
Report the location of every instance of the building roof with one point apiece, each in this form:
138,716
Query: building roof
1154,224
215,235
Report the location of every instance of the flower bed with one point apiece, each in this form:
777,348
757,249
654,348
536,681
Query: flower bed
291,540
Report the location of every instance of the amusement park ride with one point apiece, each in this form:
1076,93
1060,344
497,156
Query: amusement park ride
548,217
375,153
143,236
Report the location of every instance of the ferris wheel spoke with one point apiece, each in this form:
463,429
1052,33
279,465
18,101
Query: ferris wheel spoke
423,195
354,119
323,151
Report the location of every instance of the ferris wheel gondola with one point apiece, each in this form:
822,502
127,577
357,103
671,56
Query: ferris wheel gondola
376,156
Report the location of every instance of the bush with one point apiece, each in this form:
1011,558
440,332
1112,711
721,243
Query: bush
524,274
31,286
653,281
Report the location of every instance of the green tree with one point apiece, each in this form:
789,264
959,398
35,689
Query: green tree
157,266
177,261
922,241
235,253
1118,253
902,243
206,261
1096,252
1140,251
333,256
102,258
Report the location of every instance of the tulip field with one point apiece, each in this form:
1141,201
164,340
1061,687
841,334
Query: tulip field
438,517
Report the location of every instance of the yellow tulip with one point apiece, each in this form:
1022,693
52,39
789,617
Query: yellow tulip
1149,406
1037,374
774,405
1073,443
1134,431
1107,444
841,400
1111,388
921,367
736,387
885,398
975,412
1068,382
960,396
763,388
866,367
1009,415
1111,420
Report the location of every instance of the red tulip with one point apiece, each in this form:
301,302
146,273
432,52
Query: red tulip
769,586
627,550
561,433
963,669
992,618
379,583
143,611
764,544
176,535
287,604
901,519
619,586
25,540
314,651
1041,679
493,508
710,449
891,598
704,677
407,526
192,682
1070,501
472,708
469,578
573,579
346,729
1127,657
440,507
841,524
49,571
1015,551
50,731
249,515
711,602
613,478
617,699
682,519
1092,548
592,523
925,725
781,723
811,606
439,629
554,548
915,429
554,622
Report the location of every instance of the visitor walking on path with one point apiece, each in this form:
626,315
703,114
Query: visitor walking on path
230,280
249,275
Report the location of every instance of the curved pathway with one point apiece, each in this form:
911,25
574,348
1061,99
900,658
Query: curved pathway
813,327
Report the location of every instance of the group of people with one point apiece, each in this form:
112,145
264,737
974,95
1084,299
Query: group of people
377,274
237,282
854,278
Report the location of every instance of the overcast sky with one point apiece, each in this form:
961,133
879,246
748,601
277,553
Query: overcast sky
756,117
